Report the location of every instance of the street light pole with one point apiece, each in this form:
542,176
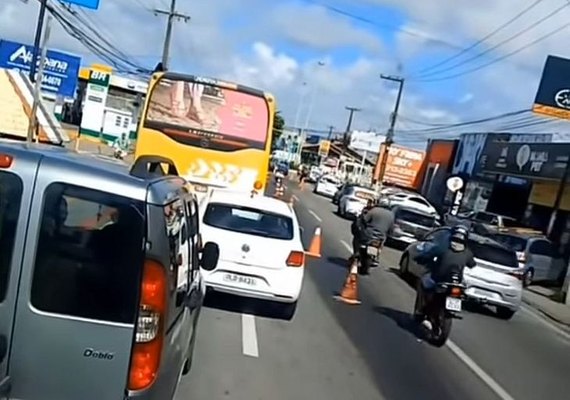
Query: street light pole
300,105
312,103
383,155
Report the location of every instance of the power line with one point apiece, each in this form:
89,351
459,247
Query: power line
482,40
498,59
496,46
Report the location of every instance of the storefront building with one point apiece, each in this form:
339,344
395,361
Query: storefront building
479,185
546,168
438,164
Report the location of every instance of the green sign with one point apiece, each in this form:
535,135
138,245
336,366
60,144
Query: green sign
99,78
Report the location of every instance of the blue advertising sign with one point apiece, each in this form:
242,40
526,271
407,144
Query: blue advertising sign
92,4
61,70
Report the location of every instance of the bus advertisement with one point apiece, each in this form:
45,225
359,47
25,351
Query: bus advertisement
217,133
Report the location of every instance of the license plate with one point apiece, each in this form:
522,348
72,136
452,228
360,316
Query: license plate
453,304
372,251
246,280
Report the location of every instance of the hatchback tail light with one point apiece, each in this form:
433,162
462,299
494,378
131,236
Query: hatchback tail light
296,259
521,257
517,274
145,358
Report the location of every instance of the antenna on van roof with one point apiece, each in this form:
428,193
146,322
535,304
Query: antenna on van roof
151,167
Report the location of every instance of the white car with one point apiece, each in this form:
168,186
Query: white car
261,253
353,201
327,185
411,200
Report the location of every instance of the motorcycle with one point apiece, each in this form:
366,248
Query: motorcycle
119,154
442,304
370,250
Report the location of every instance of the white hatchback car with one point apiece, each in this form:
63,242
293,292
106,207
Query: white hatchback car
327,185
411,200
261,253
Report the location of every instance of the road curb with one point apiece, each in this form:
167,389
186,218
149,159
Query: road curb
548,316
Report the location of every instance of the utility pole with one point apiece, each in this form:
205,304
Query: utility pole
383,156
330,132
33,125
345,138
172,15
37,39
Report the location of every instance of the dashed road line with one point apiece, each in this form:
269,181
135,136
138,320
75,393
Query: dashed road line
249,336
477,370
314,214
346,246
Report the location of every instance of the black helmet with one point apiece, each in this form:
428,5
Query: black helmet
459,233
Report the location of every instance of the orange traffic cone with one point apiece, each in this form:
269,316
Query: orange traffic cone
316,244
349,293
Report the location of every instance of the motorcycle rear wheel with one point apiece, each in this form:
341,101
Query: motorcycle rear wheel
441,328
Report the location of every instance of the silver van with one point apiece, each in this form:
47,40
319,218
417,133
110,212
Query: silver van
100,288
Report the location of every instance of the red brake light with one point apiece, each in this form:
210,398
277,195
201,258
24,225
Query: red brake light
296,259
145,358
6,161
456,292
517,274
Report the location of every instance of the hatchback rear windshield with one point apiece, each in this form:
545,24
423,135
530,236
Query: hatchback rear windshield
363,194
249,221
415,218
494,254
514,242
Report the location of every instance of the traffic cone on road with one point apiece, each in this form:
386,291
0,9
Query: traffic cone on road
316,244
349,293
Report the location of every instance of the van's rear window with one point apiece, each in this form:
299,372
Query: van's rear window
89,254
250,221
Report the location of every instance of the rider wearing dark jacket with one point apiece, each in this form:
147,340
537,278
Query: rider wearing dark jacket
444,261
375,218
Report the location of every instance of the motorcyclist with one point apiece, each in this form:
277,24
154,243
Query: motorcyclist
376,218
442,262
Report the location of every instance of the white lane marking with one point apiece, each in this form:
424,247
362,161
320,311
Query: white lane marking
314,215
249,336
544,321
486,378
346,246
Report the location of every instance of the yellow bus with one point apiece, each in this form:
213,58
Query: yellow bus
217,133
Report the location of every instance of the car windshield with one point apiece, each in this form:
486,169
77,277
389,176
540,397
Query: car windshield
415,217
250,221
493,254
516,243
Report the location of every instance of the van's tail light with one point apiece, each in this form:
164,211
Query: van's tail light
296,259
521,256
147,349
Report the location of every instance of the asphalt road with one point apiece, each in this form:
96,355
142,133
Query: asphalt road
372,351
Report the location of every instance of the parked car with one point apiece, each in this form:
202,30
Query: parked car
100,289
261,253
327,185
496,280
482,222
537,255
314,174
411,200
411,225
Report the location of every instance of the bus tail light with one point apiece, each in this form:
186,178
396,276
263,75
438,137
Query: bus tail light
296,259
147,350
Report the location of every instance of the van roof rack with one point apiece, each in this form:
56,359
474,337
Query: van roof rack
146,167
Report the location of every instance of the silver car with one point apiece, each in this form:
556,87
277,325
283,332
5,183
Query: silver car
100,288
496,280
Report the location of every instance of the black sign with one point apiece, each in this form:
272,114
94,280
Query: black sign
553,96
526,160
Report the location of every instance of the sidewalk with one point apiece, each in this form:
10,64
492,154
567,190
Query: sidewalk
540,298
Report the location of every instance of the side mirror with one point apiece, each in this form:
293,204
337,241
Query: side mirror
210,255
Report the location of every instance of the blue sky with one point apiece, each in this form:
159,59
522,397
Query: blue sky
275,45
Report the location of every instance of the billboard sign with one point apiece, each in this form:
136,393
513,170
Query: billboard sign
526,160
402,166
324,148
553,95
61,70
366,141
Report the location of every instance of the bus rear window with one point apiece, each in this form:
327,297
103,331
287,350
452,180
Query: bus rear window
206,115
